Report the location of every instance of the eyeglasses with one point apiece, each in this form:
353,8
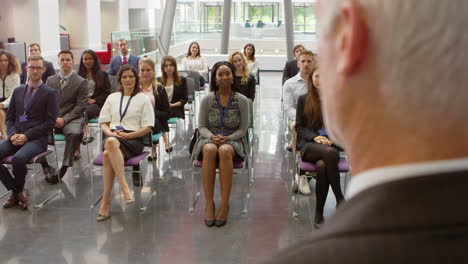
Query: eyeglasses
32,68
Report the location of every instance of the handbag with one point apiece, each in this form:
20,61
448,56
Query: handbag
195,136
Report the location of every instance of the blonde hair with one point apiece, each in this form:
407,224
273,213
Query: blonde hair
245,68
151,63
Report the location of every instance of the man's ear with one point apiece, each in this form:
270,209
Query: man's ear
352,37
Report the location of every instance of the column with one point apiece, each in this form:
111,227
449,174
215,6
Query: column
226,26
167,23
289,27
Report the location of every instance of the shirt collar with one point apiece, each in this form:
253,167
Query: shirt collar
298,77
35,87
127,56
377,176
67,77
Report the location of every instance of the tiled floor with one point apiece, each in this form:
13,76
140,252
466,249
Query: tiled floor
65,230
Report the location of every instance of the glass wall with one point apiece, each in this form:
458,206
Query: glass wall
304,17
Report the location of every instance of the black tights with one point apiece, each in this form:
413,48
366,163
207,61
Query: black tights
326,160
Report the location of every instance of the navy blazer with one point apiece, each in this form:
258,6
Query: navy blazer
116,63
41,114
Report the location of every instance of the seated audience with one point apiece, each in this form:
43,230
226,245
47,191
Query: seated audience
98,89
223,123
291,68
9,80
72,93
34,49
124,58
127,116
158,97
31,117
244,80
249,52
175,85
295,87
193,61
316,147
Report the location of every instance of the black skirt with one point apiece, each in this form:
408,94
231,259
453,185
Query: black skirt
130,148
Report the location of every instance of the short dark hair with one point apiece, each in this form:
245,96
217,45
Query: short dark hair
213,85
128,67
66,52
190,46
298,46
37,58
35,44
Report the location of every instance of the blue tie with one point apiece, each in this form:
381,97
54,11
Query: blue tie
29,96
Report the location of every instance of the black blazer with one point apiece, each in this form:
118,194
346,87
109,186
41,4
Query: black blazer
161,110
180,95
248,89
41,114
101,92
290,70
305,133
49,71
414,220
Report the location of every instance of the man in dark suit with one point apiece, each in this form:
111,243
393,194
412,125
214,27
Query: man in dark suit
72,91
290,68
402,119
34,49
124,58
30,118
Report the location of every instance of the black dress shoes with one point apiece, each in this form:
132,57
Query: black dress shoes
51,175
220,223
23,199
210,223
169,150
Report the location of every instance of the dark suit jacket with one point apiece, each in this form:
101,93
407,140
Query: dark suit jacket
116,63
248,89
305,133
101,92
161,110
41,113
49,71
290,70
72,98
180,95
414,220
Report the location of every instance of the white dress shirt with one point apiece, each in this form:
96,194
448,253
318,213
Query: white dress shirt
292,89
195,64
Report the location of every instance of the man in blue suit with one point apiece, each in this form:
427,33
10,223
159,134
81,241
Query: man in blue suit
124,58
31,116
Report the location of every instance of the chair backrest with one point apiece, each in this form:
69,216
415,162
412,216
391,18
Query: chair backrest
113,83
148,140
257,77
191,89
192,74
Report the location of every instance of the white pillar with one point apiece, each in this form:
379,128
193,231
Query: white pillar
83,18
123,15
49,32
93,17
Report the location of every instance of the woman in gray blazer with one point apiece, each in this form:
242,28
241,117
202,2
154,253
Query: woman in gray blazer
223,123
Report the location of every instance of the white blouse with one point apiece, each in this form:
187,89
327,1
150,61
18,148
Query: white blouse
140,112
253,67
169,91
6,87
198,64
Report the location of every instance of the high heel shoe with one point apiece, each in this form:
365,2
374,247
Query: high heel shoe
220,223
210,223
169,149
318,221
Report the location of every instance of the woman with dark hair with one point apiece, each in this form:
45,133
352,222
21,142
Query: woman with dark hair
98,89
249,52
175,85
316,147
9,80
158,97
127,116
243,79
223,123
193,61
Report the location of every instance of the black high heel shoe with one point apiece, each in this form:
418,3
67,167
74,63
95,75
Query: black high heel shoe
210,223
169,150
318,221
220,223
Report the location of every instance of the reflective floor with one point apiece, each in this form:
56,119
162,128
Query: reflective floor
65,229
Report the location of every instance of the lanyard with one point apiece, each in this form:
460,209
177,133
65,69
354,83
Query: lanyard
126,107
223,114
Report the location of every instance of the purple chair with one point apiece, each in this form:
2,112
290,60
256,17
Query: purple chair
309,169
240,167
134,162
33,161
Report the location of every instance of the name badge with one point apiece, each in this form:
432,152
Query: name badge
23,118
119,128
222,133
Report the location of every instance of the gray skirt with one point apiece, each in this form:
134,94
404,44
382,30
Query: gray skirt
236,145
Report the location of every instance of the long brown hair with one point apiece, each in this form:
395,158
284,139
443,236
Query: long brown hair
164,77
13,63
313,106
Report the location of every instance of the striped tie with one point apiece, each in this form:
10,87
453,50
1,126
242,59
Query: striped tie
63,82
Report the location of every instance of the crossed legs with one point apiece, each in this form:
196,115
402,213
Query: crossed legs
225,155
2,125
113,166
